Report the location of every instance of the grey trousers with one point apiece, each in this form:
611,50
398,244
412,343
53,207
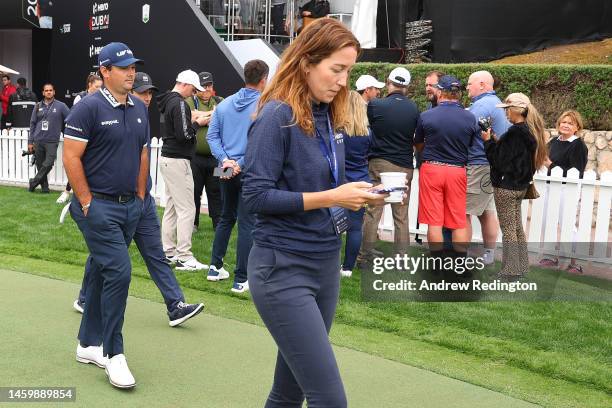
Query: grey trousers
45,154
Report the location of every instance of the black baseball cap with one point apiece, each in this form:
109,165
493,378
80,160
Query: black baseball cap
143,82
205,78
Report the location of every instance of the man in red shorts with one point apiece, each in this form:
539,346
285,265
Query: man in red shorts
443,136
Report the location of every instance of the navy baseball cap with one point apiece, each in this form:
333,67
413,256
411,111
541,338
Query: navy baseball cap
448,82
116,54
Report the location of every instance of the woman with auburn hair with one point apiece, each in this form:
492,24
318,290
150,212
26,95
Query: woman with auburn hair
294,183
514,159
357,148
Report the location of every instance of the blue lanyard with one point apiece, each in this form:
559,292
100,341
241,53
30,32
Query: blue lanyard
196,102
330,156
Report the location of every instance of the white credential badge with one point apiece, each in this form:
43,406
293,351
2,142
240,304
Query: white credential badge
146,9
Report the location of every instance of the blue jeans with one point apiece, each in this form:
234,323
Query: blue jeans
148,241
296,298
233,208
353,238
108,229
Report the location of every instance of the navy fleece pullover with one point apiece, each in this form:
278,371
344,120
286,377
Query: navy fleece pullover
281,163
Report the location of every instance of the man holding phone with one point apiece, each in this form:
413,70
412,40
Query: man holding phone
227,137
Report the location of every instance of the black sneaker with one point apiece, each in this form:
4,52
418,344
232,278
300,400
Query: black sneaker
184,312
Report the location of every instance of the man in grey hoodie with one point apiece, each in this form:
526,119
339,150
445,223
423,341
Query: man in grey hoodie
227,137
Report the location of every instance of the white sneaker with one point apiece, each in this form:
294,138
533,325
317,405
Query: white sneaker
346,273
63,197
78,306
240,287
215,275
190,264
119,373
91,354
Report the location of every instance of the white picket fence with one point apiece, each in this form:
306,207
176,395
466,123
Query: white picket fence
563,214
15,169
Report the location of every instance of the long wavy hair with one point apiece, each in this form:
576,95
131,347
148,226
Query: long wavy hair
316,42
535,122
357,124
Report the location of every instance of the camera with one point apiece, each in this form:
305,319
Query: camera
26,153
484,123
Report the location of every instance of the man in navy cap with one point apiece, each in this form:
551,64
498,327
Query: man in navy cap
444,135
148,241
106,160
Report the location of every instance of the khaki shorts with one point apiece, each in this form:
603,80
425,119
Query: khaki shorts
479,190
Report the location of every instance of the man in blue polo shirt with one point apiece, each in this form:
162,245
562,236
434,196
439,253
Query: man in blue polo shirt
106,160
148,241
480,201
444,135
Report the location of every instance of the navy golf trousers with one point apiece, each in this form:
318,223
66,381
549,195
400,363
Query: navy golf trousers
296,298
233,208
148,241
108,229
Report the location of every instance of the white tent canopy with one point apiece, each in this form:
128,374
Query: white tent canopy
7,70
364,22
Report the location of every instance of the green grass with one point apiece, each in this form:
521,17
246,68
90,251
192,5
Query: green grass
556,354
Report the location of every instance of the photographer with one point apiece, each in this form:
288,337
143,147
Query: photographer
179,136
46,125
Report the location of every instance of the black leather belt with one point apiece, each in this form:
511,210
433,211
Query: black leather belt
121,199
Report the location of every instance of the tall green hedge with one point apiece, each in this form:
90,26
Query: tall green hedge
552,88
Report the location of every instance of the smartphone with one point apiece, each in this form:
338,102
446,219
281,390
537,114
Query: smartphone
389,190
223,172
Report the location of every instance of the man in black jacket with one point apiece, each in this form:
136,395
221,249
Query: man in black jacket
312,10
393,120
315,9
20,106
179,137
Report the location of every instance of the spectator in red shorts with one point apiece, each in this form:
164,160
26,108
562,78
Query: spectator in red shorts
443,136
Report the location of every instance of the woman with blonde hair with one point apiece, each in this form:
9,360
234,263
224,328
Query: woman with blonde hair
567,151
294,183
514,159
357,147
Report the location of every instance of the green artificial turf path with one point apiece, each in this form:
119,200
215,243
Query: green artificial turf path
209,362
